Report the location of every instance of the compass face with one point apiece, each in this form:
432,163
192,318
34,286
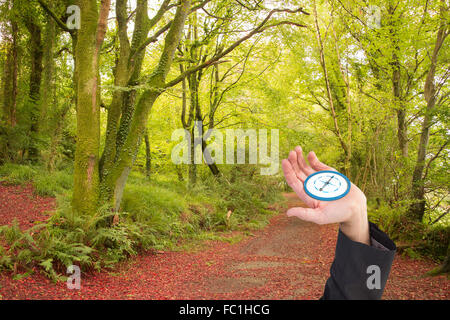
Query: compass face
327,185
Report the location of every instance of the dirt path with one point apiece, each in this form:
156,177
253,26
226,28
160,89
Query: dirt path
289,259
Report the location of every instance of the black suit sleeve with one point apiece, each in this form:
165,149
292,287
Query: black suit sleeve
359,271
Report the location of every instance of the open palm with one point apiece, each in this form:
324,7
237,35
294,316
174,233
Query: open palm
296,170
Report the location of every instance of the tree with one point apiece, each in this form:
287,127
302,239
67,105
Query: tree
127,139
333,96
431,95
37,53
87,55
10,69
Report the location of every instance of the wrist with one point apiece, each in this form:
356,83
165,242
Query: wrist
356,228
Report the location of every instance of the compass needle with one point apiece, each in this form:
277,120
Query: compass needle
327,185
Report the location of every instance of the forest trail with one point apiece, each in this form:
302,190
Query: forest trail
289,259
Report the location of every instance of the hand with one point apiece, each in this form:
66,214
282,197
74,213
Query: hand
350,211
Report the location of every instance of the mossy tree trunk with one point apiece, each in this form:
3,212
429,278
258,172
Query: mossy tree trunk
56,120
148,155
87,53
399,99
10,72
127,71
47,89
116,169
36,68
126,120
9,90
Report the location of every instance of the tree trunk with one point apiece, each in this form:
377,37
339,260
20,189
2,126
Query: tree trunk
37,53
417,209
402,129
328,88
56,137
402,134
9,91
211,165
192,165
121,75
86,173
179,170
115,179
446,265
10,73
148,156
49,68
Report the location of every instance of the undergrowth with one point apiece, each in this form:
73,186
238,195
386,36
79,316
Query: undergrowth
45,183
416,240
155,215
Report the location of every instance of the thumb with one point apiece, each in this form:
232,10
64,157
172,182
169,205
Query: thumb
307,214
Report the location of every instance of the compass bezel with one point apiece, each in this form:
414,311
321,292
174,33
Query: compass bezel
323,198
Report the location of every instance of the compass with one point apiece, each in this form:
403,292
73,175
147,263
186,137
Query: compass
327,185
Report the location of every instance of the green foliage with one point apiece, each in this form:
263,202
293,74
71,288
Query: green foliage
53,183
16,174
418,239
239,199
154,216
392,220
44,182
43,246
68,239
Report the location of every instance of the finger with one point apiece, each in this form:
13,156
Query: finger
316,164
307,214
307,170
289,174
293,160
295,183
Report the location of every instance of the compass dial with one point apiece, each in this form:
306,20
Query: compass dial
327,185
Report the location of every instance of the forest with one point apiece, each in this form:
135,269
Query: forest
93,94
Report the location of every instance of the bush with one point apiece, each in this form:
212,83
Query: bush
245,197
66,239
417,239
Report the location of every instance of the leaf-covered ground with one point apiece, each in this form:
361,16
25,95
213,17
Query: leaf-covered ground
20,203
289,259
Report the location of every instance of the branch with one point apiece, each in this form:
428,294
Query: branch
102,24
158,16
153,38
318,101
62,50
166,27
257,6
443,98
260,28
440,217
122,24
58,21
214,16
433,158
199,6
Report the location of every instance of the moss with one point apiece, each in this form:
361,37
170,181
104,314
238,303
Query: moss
86,165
